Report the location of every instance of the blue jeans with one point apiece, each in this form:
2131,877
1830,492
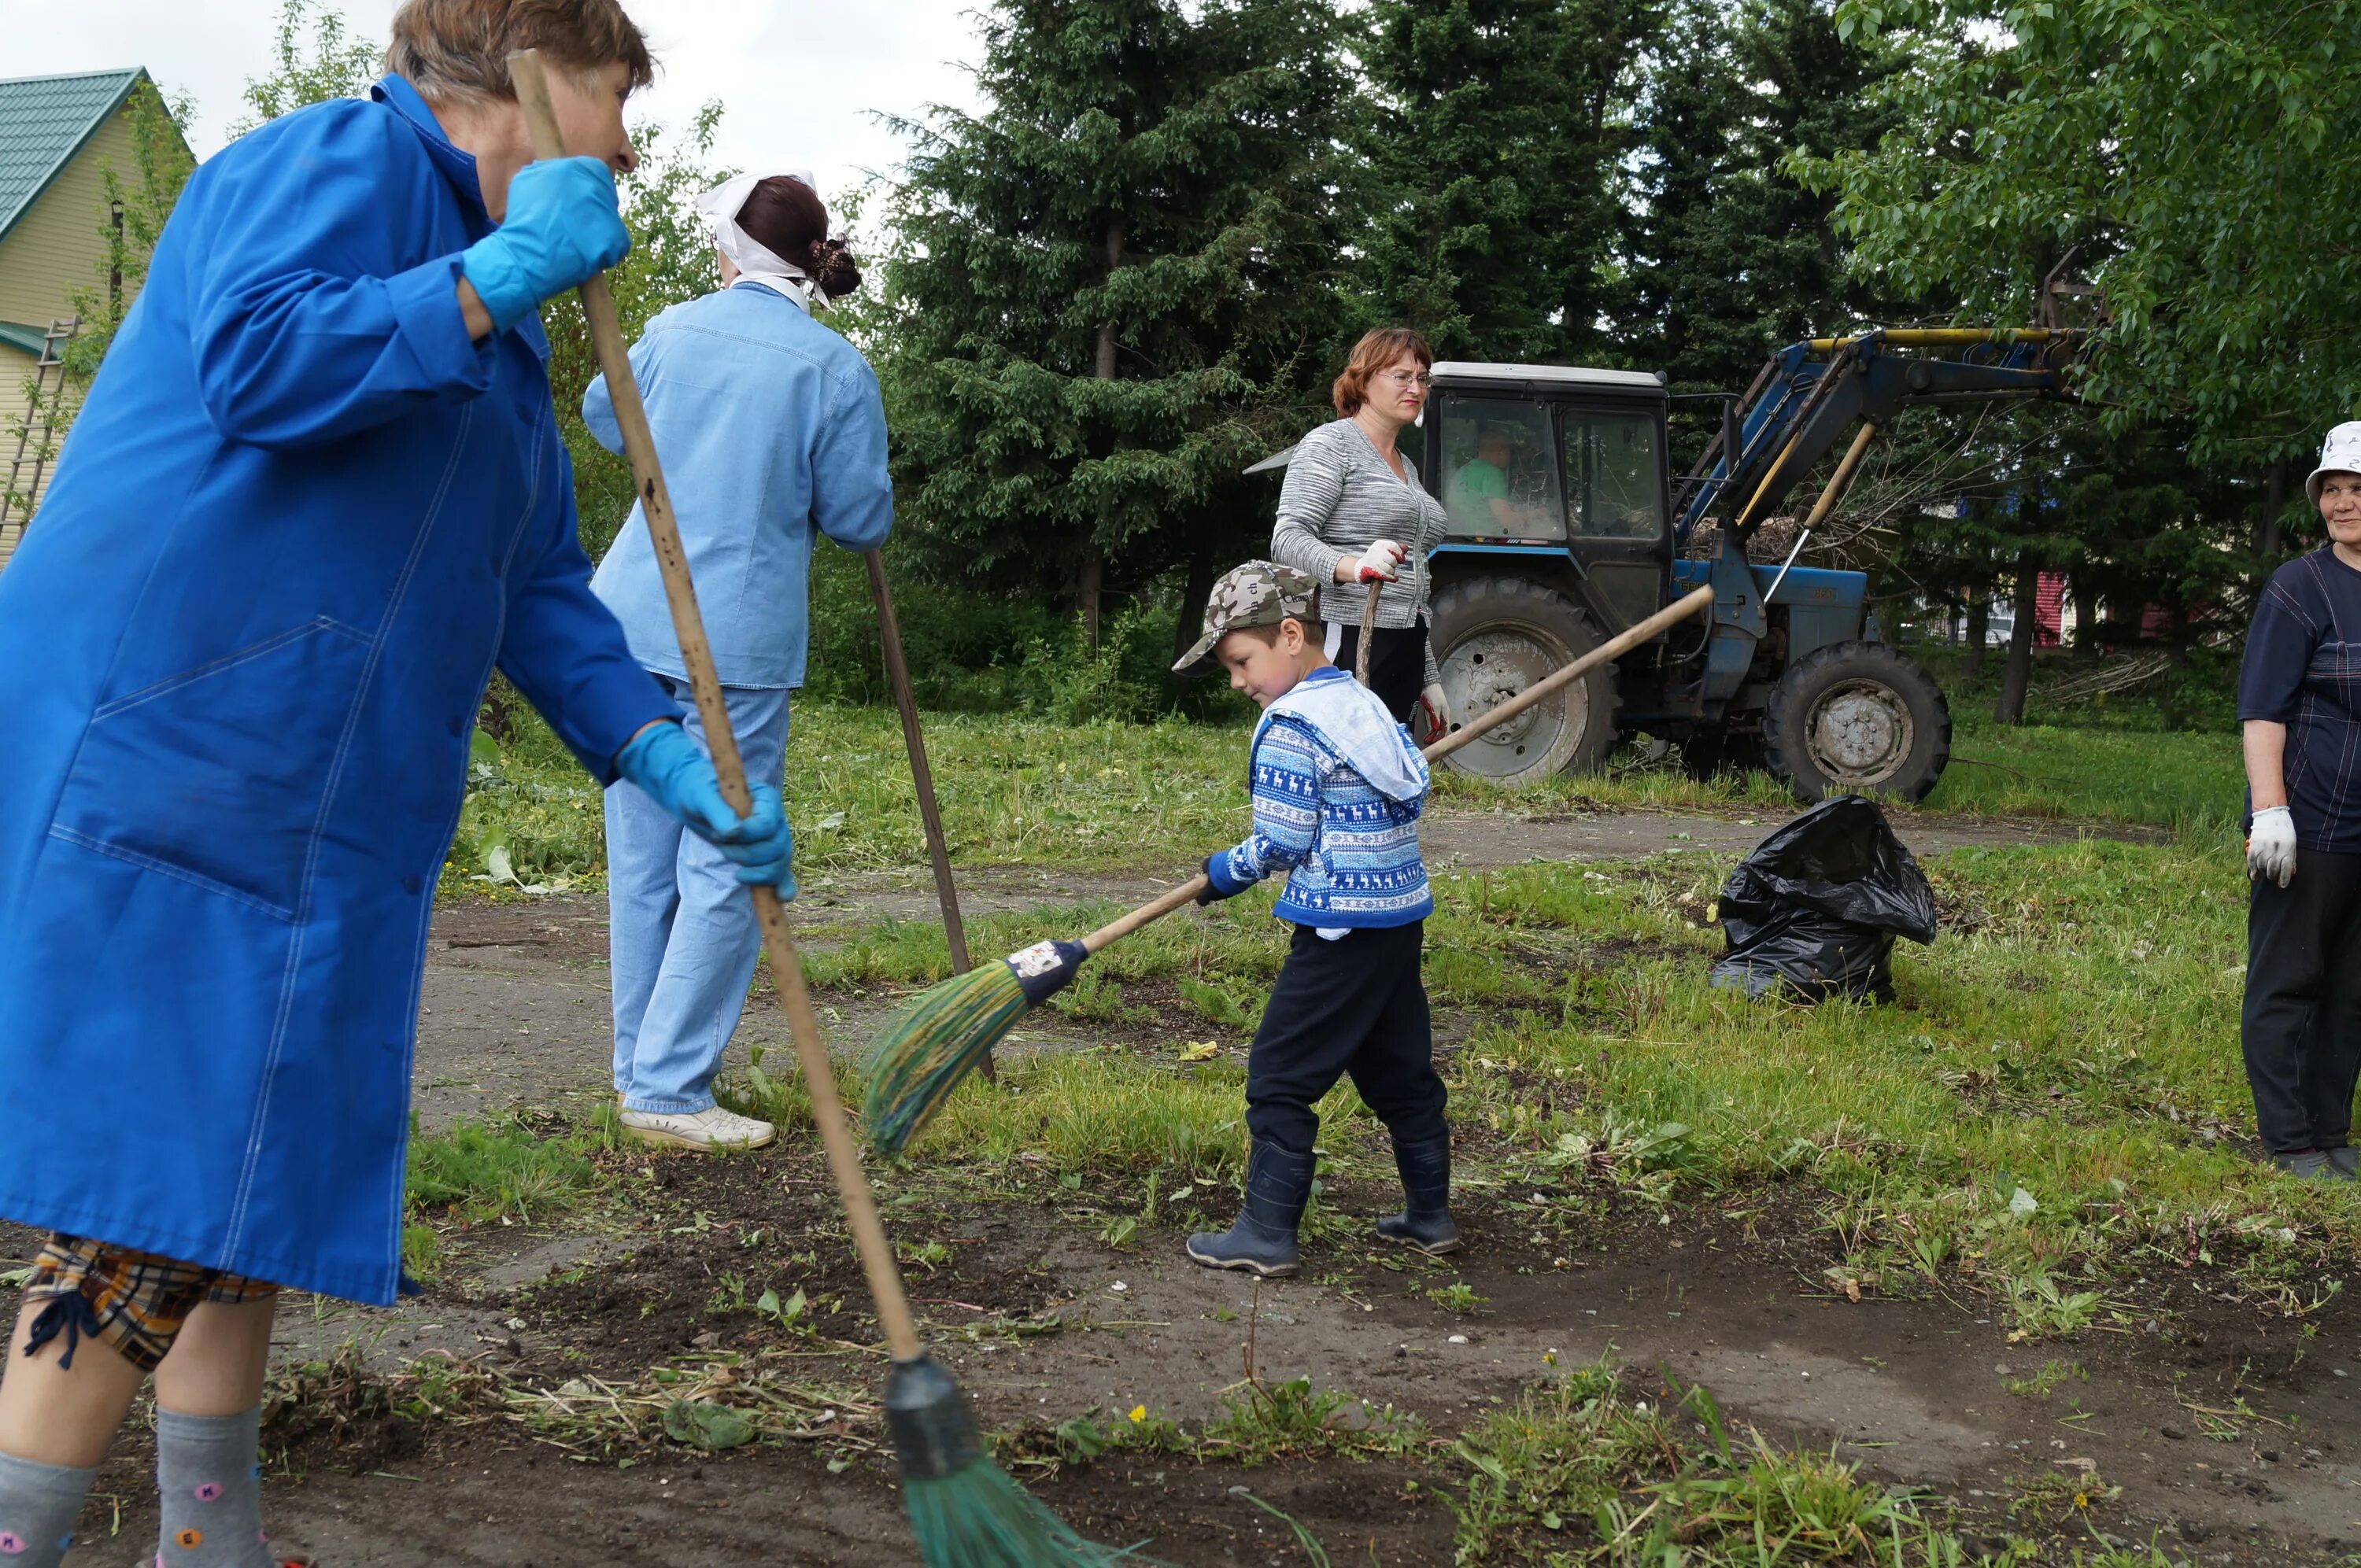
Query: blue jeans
680,929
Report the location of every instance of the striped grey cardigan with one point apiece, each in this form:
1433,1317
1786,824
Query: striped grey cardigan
1339,498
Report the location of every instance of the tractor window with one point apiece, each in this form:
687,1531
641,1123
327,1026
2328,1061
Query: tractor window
1497,479
1612,477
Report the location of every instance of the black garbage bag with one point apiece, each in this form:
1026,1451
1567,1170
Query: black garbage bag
1817,905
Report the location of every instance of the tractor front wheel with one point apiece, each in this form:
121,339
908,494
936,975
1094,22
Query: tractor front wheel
1856,717
1496,636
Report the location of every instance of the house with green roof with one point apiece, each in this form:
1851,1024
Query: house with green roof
58,137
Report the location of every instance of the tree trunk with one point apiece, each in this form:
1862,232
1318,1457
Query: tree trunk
1199,589
1093,571
2266,537
1979,623
2087,645
2018,675
1093,555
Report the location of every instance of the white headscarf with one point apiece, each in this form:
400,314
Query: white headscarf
750,256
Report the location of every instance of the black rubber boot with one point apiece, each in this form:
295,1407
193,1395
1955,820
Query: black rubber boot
1279,1184
1425,1220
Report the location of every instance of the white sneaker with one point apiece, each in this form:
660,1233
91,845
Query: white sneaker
709,1129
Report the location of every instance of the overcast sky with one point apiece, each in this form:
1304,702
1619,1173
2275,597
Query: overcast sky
798,79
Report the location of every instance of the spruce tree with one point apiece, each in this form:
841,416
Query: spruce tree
1490,172
1114,288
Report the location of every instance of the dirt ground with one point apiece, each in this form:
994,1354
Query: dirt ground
2226,1427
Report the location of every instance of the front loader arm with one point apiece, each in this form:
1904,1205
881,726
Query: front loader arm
1811,394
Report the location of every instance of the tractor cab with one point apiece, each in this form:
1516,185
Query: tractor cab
1555,481
1551,463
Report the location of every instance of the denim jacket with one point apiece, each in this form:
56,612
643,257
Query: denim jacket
771,432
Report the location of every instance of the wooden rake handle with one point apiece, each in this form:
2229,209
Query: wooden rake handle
1369,636
1615,647
532,82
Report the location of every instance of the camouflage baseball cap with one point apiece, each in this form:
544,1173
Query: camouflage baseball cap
1260,593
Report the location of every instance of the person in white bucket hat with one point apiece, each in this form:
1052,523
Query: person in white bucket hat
2300,705
773,434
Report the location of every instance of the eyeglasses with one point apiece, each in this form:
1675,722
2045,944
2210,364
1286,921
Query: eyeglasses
1408,378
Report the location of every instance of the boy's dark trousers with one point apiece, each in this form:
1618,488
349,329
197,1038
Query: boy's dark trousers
1354,1006
2301,1023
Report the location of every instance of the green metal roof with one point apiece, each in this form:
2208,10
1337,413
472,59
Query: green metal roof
44,121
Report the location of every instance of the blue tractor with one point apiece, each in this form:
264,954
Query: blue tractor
1566,527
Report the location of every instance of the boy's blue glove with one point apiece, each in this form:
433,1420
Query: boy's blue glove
665,762
1218,883
562,226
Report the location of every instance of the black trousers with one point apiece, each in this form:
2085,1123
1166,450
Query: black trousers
1354,1006
2301,1023
1397,664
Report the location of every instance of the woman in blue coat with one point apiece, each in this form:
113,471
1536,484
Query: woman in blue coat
773,434
314,498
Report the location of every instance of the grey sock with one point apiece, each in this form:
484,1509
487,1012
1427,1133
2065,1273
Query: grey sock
212,1489
39,1503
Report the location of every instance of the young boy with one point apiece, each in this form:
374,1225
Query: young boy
1337,789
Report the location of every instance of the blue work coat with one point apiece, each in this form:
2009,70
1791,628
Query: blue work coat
772,433
298,520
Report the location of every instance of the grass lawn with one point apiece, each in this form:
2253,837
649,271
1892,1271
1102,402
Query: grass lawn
1018,791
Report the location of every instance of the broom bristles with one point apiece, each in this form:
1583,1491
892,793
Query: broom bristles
932,1046
978,1518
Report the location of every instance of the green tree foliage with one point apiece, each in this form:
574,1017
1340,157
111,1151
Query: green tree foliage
1727,256
335,65
1115,287
670,262
2193,157
139,199
1491,169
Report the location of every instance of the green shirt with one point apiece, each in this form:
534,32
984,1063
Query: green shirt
1476,483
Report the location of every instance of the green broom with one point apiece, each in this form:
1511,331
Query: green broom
965,1512
925,1053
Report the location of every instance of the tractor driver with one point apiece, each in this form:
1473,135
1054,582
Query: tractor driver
1478,490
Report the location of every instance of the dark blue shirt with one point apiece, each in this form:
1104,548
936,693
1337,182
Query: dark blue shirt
2303,669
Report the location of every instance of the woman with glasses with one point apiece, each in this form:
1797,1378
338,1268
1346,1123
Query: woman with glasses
1352,511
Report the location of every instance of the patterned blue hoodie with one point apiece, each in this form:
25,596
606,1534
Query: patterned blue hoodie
1338,792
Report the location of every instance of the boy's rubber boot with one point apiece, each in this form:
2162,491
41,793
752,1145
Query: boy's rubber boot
2310,1165
1279,1184
1425,1220
2345,1160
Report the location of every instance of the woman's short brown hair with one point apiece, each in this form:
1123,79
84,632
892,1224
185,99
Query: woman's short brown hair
458,50
1375,352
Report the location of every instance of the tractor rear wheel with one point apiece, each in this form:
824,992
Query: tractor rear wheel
1857,717
1496,636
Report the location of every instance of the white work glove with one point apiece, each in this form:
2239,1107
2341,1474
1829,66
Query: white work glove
2270,845
1382,561
1437,709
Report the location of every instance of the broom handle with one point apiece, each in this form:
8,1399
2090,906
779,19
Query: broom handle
525,71
897,669
1613,648
1162,904
1368,632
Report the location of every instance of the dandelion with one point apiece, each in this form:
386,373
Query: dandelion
1139,1414
1549,1358
2081,1499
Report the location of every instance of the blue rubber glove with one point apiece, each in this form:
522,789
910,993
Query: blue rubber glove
562,226
666,763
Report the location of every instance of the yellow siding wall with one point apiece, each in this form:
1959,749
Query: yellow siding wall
55,250
53,253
